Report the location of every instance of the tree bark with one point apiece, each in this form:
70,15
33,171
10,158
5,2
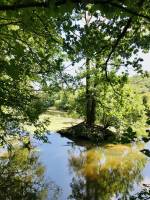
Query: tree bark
93,109
93,100
88,94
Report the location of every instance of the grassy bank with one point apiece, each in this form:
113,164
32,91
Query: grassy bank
70,127
56,120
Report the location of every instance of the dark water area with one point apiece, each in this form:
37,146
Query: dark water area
65,170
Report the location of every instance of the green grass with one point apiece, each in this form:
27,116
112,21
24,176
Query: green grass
57,120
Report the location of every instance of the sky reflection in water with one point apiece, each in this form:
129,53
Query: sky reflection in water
77,171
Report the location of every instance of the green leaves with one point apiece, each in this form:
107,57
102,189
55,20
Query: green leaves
29,53
36,43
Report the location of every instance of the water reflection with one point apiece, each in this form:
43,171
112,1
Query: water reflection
83,171
105,173
22,177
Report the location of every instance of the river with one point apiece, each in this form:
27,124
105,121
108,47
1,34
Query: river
64,169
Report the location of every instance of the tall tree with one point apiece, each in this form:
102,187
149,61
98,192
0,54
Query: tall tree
31,46
110,41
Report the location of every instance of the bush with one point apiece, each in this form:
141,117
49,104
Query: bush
121,111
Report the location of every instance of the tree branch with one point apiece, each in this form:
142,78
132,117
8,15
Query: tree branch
122,34
113,49
46,4
9,23
46,28
129,10
119,39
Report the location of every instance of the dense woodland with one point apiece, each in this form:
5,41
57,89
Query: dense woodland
42,41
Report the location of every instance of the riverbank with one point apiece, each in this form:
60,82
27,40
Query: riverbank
55,120
59,120
75,128
94,134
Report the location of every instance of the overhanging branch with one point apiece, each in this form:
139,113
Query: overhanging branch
114,47
46,4
129,10
122,34
9,23
13,7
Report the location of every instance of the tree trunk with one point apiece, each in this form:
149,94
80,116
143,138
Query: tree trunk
93,110
90,98
88,94
93,99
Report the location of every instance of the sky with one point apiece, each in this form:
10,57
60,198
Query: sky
73,69
146,65
146,62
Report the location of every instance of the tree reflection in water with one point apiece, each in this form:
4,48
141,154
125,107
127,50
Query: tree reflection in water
104,174
144,194
22,177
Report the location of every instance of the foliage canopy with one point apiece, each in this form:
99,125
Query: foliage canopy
38,37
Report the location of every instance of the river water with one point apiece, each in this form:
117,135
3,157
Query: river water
63,169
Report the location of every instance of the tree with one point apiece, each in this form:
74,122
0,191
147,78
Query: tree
29,54
105,42
34,52
121,111
124,7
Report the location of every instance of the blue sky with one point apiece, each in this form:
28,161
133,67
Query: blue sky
146,62
146,65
